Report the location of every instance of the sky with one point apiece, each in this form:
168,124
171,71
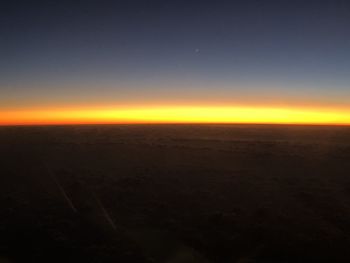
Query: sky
174,61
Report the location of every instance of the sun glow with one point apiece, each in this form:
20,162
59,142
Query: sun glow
177,114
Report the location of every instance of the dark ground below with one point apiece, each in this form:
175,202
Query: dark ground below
175,193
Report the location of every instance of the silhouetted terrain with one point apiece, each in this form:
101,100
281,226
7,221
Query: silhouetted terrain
175,193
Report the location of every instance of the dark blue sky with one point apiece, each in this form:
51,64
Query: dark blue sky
76,52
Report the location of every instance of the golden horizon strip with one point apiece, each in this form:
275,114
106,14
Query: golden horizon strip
177,114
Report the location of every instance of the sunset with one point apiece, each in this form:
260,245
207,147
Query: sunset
253,55
178,114
174,131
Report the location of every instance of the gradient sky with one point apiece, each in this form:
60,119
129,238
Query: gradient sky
88,54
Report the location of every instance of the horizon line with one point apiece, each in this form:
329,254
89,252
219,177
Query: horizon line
178,115
176,123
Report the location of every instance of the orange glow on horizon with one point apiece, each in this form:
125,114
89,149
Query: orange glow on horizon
177,114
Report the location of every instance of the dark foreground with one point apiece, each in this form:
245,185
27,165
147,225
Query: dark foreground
175,193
